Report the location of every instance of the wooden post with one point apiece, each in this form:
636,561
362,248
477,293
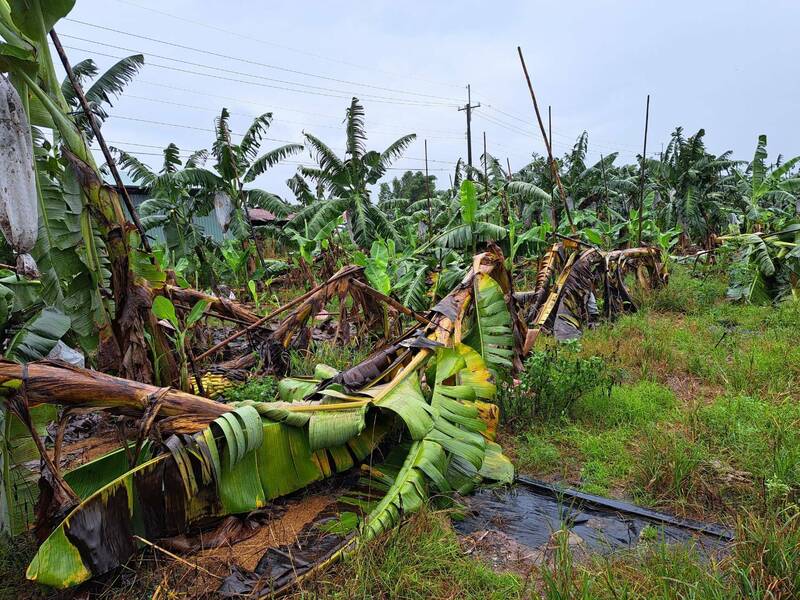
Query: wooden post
641,178
553,166
100,140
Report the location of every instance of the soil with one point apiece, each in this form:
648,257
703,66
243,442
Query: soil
501,551
215,564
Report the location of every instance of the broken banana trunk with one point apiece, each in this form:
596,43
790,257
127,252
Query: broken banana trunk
566,303
196,459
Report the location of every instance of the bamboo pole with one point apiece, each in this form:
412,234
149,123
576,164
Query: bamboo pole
641,177
553,165
100,140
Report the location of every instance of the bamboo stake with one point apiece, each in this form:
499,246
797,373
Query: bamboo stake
553,165
641,178
100,140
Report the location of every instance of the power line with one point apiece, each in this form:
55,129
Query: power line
272,106
276,120
290,48
565,145
244,74
610,145
283,162
244,60
205,129
259,84
183,126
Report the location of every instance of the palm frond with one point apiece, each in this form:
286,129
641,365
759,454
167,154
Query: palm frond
394,151
356,134
271,158
251,140
113,82
139,172
83,71
325,157
172,159
262,199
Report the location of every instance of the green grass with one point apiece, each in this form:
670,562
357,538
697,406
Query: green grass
337,356
704,418
257,389
421,559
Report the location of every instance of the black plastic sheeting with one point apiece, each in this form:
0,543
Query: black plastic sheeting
532,510
279,568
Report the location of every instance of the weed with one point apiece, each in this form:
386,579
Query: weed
302,362
257,389
563,580
684,294
553,380
668,468
535,453
637,404
607,458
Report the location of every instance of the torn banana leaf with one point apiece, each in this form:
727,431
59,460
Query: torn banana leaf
437,387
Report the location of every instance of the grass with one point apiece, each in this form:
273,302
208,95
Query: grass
691,405
302,362
705,412
420,559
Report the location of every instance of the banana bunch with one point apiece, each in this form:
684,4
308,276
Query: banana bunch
214,384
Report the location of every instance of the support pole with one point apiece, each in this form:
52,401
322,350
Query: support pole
641,177
551,160
100,140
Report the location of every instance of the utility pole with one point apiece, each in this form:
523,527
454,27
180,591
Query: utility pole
468,109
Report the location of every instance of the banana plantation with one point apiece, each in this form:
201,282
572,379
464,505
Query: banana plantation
346,392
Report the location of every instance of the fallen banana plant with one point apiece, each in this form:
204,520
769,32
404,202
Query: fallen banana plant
368,310
565,302
196,459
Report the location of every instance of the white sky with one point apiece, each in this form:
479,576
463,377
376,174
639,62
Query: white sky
729,66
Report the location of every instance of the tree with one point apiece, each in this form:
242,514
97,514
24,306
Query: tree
172,205
346,180
235,166
412,185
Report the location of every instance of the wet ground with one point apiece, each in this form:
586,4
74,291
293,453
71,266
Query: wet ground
513,528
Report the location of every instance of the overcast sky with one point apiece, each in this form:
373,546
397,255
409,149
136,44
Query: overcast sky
729,66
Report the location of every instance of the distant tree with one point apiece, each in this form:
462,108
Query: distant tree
410,186
347,180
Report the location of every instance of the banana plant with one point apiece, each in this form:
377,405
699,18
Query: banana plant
766,265
89,213
347,180
236,166
164,309
235,459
